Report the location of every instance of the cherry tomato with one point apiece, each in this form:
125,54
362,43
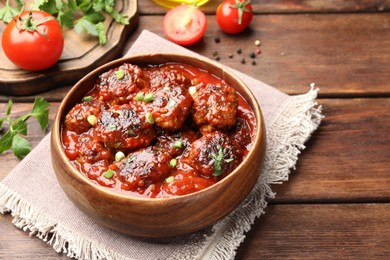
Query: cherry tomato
33,40
233,16
185,24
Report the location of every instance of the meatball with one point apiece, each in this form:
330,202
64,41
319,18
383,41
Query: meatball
76,119
119,85
125,128
142,168
174,144
165,76
215,107
91,151
213,155
170,106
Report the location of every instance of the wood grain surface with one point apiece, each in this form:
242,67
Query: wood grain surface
336,202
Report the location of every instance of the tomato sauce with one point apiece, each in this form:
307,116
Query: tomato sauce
158,130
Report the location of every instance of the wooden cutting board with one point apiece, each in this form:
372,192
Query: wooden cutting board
81,54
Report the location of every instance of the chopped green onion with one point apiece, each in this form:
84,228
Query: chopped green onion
173,163
178,144
192,90
149,118
139,96
118,144
92,119
108,174
87,98
120,74
149,97
229,160
169,179
112,127
119,156
131,132
166,88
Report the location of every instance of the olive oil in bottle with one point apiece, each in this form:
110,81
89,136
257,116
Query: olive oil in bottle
173,3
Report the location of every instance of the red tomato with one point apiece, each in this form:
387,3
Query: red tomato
185,24
34,42
233,16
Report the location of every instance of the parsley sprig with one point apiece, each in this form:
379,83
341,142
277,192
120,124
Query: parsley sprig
218,160
13,138
8,12
81,15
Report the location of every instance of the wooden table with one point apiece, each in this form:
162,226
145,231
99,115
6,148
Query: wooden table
336,203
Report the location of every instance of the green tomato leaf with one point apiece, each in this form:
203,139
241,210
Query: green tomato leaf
20,127
6,141
20,146
41,112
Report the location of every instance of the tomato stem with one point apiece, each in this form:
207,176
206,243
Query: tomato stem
31,26
241,8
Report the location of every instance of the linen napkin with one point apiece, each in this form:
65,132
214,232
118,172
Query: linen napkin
39,206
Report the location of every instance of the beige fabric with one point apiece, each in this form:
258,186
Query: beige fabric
33,196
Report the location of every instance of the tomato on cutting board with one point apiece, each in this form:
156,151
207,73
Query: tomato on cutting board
33,40
185,24
233,16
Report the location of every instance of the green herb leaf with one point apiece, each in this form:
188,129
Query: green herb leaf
6,141
20,146
20,127
9,107
8,12
41,112
101,33
83,25
12,138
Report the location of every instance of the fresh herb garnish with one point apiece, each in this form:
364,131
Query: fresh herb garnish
119,156
87,98
178,144
82,15
120,74
139,96
218,160
173,162
13,138
108,174
149,118
170,179
149,97
8,12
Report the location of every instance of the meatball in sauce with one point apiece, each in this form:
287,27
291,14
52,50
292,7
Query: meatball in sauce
158,130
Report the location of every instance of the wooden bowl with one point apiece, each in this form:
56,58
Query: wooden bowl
158,217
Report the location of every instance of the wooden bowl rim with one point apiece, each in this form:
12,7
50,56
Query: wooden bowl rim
251,99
